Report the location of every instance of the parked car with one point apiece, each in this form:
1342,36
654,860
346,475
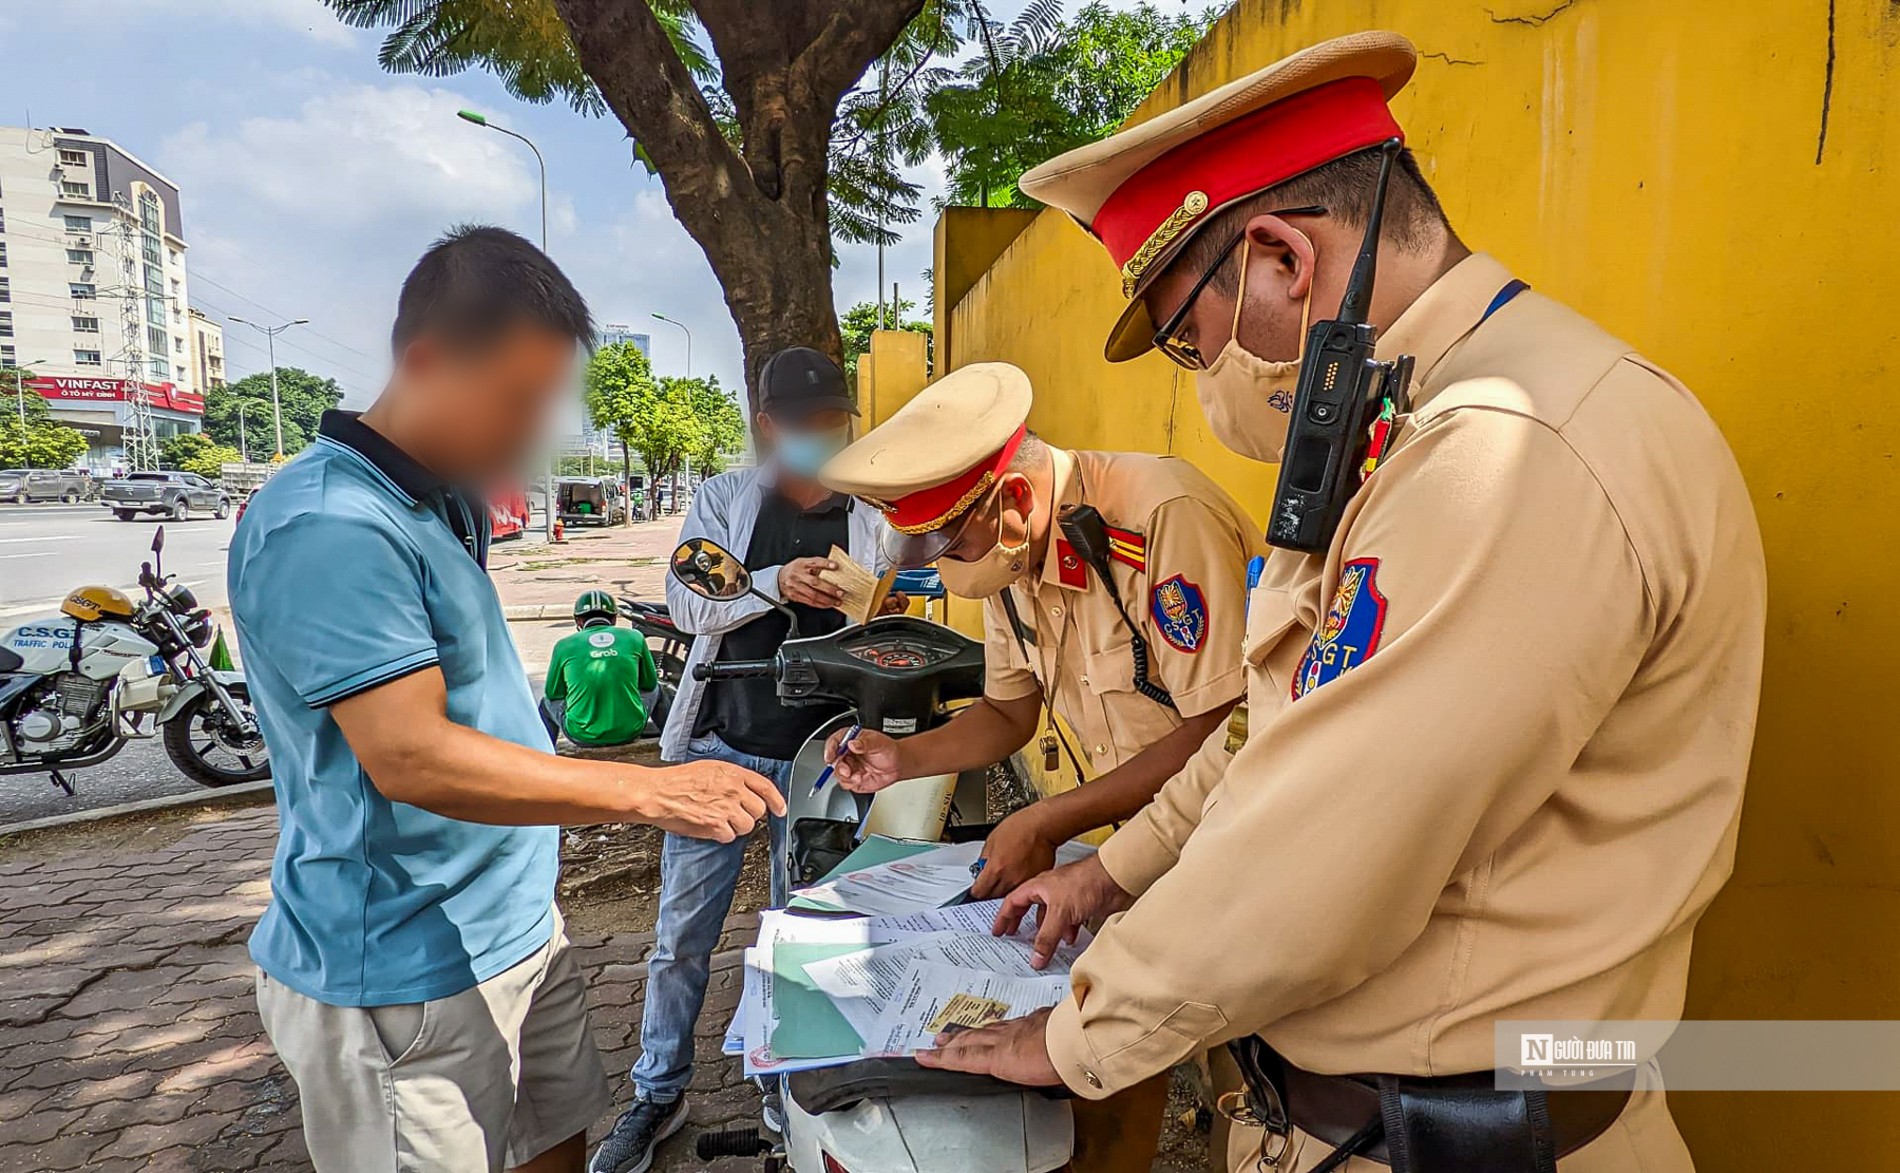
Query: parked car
591,500
20,485
167,494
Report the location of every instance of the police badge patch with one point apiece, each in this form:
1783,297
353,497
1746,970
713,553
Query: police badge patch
1180,614
1349,632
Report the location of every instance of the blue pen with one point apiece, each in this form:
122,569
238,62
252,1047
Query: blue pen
825,775
1256,566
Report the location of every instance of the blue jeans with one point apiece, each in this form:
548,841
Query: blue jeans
697,879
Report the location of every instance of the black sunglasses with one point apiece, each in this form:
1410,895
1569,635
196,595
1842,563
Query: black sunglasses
1167,340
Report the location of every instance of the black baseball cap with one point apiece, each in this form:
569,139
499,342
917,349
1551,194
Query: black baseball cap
798,382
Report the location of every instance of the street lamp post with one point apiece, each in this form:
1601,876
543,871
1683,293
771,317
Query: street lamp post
270,334
19,391
547,517
689,341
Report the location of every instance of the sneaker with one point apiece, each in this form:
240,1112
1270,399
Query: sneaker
640,1129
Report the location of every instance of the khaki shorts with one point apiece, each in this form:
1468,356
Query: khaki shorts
488,1078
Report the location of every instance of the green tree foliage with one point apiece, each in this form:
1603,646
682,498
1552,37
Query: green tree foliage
304,396
43,442
619,388
666,421
1041,86
856,324
196,452
720,425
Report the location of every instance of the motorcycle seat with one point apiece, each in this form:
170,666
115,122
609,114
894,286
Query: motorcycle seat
10,660
828,1089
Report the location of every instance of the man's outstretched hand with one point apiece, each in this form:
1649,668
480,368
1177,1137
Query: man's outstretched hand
799,582
705,799
1016,1051
1064,900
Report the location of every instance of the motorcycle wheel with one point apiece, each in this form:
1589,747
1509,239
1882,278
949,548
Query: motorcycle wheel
198,742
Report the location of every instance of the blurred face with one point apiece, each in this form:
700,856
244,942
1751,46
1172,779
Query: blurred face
486,406
803,445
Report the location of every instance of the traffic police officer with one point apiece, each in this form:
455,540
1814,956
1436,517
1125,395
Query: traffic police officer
1499,730
1114,587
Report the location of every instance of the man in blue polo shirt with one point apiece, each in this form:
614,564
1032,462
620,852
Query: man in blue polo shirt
412,971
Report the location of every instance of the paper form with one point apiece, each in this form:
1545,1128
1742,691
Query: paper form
932,995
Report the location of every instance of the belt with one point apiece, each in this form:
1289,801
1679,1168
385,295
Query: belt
1421,1124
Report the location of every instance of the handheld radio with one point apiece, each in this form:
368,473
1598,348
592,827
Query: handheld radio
1343,390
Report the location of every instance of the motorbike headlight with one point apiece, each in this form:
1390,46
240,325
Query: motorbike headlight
182,598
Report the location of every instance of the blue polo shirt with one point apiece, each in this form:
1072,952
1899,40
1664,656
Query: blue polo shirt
352,567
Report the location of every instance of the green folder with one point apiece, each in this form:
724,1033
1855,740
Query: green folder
809,1026
874,850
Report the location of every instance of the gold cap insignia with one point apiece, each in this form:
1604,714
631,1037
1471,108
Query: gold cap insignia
1166,234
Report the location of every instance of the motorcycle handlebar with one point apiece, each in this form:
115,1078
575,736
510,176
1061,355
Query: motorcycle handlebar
735,670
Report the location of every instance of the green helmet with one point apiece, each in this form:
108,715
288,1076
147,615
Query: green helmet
595,605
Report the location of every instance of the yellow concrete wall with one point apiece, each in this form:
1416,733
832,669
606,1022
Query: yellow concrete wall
1685,173
891,375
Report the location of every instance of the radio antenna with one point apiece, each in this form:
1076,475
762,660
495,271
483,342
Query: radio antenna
1357,303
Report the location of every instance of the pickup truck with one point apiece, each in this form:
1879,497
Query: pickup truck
170,494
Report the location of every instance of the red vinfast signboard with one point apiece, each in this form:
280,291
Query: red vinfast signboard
70,388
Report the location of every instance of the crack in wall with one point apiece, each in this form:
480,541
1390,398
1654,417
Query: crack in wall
1448,59
1827,88
1532,19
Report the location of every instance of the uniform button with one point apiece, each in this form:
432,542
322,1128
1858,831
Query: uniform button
1101,749
1094,1081
1056,611
1085,680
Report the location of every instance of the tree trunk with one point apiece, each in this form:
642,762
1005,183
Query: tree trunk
758,211
626,478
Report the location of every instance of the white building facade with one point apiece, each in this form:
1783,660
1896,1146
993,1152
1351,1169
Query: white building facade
93,290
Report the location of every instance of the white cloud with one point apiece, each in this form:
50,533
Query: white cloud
307,17
355,156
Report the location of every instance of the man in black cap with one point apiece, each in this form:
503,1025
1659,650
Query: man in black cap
782,524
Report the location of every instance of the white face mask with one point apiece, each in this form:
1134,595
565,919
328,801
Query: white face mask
982,577
1248,401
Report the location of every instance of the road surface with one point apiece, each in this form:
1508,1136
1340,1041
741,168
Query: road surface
46,551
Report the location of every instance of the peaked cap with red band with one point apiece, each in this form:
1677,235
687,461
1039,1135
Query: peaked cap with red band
1145,192
939,454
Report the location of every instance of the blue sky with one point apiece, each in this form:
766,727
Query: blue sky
312,179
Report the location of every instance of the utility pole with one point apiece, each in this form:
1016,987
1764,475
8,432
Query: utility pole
470,116
270,334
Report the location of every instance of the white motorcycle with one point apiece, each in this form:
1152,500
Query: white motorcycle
879,1115
76,687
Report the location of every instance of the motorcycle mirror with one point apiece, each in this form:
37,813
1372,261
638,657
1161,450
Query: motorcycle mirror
709,570
158,540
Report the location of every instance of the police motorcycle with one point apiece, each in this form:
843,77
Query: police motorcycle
75,689
879,1115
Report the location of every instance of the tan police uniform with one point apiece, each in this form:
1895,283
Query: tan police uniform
1499,733
1180,551
1179,546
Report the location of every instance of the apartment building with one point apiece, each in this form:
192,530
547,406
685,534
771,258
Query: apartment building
93,287
207,352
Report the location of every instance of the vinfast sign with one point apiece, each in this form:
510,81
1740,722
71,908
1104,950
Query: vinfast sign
70,389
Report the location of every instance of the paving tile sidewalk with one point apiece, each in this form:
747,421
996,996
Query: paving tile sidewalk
129,1038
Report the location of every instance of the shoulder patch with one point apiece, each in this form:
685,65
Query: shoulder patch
1180,614
1128,547
1349,632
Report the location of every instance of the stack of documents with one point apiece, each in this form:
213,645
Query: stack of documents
824,991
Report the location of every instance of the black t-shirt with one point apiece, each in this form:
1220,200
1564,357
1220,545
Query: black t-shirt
747,714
